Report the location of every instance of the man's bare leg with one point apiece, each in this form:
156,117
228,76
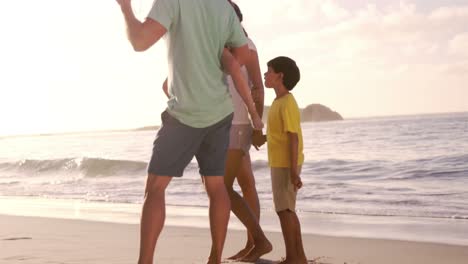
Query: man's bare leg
220,208
152,216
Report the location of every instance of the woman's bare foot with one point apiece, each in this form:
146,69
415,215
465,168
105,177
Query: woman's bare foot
259,249
241,253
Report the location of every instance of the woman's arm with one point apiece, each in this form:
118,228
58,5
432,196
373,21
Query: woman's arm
165,89
232,67
255,75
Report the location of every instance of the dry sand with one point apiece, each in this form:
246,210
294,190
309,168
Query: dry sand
45,240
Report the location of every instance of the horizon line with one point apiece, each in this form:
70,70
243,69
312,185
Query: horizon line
151,127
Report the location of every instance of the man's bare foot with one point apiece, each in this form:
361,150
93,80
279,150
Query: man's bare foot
259,249
241,253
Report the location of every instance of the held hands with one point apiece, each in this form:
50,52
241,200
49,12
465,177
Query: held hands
258,139
257,122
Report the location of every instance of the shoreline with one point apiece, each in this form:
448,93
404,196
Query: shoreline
49,240
411,229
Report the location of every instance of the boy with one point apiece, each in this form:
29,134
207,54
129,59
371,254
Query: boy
285,153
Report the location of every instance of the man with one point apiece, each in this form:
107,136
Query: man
199,113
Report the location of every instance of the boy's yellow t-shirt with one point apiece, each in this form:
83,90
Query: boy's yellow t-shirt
283,117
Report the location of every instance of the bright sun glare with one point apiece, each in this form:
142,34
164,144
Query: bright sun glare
69,67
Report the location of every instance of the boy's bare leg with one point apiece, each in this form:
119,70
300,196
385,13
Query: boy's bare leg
291,233
153,216
246,181
241,209
220,209
299,246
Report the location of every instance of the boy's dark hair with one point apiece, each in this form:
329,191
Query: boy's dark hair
287,66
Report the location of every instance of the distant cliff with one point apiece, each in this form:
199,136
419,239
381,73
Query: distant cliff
312,113
319,113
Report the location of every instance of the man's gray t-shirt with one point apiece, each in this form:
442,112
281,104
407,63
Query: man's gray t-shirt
198,30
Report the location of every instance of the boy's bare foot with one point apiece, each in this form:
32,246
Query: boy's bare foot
293,261
257,251
212,260
241,253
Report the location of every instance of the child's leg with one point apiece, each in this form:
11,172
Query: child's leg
289,235
291,229
301,257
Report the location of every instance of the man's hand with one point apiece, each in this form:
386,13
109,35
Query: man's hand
258,139
296,180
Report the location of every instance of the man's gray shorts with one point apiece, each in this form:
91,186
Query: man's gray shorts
176,144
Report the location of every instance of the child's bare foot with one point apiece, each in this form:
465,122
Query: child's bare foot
213,260
293,261
258,250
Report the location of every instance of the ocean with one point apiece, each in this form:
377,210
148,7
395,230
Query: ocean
401,177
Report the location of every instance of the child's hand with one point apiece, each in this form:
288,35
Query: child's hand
296,180
258,139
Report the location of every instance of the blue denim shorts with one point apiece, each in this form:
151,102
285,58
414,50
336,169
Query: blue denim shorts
176,144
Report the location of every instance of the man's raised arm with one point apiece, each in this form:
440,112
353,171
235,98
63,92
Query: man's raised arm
141,35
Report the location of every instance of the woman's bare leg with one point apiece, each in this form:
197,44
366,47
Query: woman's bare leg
246,181
240,208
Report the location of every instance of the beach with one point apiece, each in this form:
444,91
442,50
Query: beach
375,191
383,140
53,240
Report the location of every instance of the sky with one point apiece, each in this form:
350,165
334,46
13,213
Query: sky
67,65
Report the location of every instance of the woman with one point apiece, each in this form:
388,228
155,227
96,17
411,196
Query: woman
238,163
